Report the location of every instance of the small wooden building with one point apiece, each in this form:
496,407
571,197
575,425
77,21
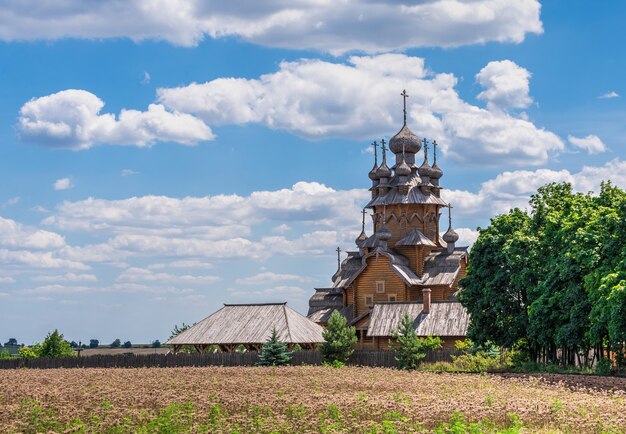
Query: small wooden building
249,325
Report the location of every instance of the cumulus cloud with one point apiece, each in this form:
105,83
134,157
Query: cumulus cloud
62,184
334,27
609,95
68,277
7,280
276,293
15,235
128,172
506,85
136,274
269,277
71,119
512,189
359,100
591,143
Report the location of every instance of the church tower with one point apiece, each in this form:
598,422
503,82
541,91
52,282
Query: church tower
405,266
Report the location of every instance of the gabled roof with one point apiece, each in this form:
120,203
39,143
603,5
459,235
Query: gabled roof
397,262
349,266
415,238
251,324
442,267
325,298
322,315
444,319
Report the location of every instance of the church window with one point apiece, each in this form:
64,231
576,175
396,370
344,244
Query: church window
380,286
392,297
369,300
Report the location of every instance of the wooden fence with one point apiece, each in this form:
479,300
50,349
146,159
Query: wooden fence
359,358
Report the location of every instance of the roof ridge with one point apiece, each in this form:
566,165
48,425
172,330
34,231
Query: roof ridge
255,304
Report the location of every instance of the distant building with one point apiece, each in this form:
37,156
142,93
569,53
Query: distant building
249,326
405,266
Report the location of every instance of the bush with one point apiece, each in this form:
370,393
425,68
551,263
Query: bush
4,354
603,367
483,361
156,344
339,339
93,343
127,344
116,343
274,352
30,352
55,346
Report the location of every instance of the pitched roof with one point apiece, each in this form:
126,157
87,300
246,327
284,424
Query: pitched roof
322,315
442,267
397,262
444,319
415,238
325,298
349,266
251,324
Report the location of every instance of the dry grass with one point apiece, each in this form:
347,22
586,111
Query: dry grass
302,399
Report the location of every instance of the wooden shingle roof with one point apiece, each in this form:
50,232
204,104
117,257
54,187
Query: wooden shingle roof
251,324
444,319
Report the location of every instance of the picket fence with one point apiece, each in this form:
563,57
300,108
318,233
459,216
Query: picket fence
380,358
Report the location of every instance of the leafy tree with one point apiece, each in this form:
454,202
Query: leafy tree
116,343
74,344
55,346
274,352
93,343
409,348
4,354
339,339
156,344
127,344
11,342
178,330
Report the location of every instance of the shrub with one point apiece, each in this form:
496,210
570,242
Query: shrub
156,344
127,344
483,361
4,354
338,339
116,343
274,352
30,352
603,366
93,343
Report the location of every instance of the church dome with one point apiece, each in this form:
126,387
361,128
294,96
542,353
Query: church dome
361,239
405,137
403,169
436,172
425,169
383,171
450,236
373,175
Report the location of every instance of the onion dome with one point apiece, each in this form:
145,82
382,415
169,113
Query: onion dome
436,171
362,236
450,237
425,169
372,175
407,139
383,171
403,169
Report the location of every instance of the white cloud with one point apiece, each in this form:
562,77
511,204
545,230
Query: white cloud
71,119
591,143
69,277
274,293
358,100
506,85
4,295
62,184
10,202
336,27
512,189
136,274
128,172
17,236
269,277
184,263
7,280
36,260
608,95
146,78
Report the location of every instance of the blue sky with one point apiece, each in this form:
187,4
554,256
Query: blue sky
156,162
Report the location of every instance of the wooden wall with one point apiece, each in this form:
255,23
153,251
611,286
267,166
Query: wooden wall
377,269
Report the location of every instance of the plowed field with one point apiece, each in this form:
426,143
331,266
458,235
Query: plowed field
304,399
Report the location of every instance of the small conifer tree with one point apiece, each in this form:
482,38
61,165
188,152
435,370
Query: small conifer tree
409,348
274,352
339,340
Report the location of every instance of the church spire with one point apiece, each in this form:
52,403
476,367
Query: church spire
362,236
437,173
372,175
404,97
450,237
383,171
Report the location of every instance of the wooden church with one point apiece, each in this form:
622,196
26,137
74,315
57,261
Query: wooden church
405,266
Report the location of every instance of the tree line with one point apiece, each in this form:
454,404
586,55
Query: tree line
551,282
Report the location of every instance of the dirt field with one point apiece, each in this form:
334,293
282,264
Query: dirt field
304,399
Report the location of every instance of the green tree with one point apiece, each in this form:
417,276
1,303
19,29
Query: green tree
156,344
31,352
93,343
4,354
339,339
274,352
116,343
11,342
55,346
127,344
409,348
178,330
